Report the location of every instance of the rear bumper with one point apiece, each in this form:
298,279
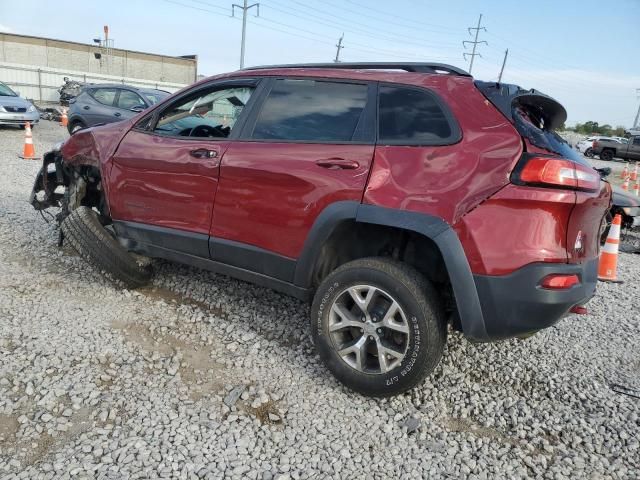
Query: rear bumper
515,304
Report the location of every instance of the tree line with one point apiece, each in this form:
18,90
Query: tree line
589,128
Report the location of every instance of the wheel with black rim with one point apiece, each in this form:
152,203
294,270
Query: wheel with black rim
588,152
378,325
606,155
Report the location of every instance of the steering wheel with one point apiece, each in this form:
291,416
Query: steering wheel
209,131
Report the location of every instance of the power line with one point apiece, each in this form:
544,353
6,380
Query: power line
419,24
244,7
474,43
350,26
323,39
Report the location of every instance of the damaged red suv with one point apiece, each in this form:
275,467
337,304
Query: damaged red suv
400,199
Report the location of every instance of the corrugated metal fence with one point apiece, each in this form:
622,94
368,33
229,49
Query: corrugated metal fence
42,84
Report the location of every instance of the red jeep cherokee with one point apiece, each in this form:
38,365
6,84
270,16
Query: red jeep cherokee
399,198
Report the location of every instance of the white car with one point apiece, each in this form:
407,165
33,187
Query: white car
586,146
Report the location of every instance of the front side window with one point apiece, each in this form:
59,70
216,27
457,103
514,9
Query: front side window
411,116
312,111
105,96
209,114
129,100
636,141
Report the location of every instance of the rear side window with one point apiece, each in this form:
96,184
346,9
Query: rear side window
636,141
312,111
104,96
410,116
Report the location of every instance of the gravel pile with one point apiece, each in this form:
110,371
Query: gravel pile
202,376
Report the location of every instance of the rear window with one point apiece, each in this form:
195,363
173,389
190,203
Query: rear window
104,96
531,126
311,111
409,116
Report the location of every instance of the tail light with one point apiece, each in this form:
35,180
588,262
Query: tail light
555,172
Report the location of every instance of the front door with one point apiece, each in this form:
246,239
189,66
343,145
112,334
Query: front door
634,148
165,172
308,145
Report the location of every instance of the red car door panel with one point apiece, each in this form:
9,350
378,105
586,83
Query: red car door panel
164,181
271,193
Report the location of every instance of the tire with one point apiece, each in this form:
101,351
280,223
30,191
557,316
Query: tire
606,155
420,315
588,152
90,239
74,126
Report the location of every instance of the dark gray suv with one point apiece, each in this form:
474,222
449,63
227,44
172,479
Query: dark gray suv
107,103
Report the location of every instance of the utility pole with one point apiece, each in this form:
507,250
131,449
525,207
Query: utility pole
474,43
635,122
339,47
244,9
504,62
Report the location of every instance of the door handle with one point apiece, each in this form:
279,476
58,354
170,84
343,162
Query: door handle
117,114
86,107
335,163
203,153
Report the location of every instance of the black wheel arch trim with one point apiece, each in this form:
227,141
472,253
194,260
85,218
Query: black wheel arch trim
432,227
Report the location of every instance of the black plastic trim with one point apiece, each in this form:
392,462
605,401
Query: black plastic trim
250,257
462,282
455,259
328,220
222,268
191,243
516,304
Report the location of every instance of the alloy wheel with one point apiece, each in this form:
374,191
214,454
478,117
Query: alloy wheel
369,329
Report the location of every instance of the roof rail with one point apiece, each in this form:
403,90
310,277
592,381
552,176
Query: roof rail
415,67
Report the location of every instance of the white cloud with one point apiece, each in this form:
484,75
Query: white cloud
5,29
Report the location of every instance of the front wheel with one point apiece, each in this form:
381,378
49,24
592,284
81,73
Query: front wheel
378,325
606,155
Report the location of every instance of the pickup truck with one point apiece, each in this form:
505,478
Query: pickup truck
607,149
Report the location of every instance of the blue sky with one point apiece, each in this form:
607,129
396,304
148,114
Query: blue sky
584,53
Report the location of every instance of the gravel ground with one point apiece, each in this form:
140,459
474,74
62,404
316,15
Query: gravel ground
202,376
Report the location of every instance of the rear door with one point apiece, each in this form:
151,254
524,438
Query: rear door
165,171
634,148
308,145
102,109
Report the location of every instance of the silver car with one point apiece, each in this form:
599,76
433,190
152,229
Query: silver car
15,110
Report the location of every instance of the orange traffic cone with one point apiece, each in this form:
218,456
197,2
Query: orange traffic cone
608,265
625,184
63,119
29,152
634,174
636,189
625,172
